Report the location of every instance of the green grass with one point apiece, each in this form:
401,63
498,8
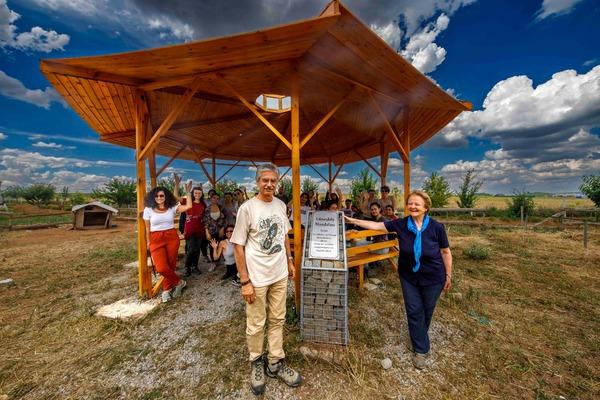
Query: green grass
52,219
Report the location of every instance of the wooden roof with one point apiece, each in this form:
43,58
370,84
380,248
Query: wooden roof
334,55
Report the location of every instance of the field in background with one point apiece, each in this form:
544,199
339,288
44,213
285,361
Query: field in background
522,323
501,202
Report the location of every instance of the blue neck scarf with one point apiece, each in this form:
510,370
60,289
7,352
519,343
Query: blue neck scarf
417,244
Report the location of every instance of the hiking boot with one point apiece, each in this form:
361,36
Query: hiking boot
166,296
288,375
419,360
257,376
179,288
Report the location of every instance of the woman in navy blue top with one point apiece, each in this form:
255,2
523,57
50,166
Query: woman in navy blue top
424,266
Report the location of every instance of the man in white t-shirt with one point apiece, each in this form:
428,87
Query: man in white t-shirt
264,262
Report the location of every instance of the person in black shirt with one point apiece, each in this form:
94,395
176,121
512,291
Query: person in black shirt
424,266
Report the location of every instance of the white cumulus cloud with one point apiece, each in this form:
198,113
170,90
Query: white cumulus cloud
555,7
51,145
2,136
37,39
421,50
15,89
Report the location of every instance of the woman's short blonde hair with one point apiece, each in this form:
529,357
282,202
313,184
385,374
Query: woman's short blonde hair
422,195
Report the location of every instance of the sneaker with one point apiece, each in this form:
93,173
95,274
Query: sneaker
212,267
179,288
257,376
419,360
166,296
288,375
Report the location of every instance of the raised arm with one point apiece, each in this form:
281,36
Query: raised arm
375,226
188,197
177,180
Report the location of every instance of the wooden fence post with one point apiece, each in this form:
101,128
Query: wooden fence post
585,234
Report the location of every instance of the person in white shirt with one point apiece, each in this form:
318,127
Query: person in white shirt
264,262
162,239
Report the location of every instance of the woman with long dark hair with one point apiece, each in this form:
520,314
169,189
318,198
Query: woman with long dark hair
194,232
214,222
161,237
226,249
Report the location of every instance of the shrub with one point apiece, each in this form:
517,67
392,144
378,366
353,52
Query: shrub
476,252
591,188
467,192
309,184
438,189
38,194
286,183
118,192
363,182
521,199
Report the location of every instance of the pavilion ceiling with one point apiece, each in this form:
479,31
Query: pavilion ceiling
335,56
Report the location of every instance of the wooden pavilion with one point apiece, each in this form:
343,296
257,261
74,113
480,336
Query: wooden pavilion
338,94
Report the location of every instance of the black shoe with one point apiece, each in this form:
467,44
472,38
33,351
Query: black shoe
197,269
188,272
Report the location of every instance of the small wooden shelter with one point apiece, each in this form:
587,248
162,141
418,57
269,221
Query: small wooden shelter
94,215
342,95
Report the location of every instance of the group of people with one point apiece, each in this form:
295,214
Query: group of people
258,248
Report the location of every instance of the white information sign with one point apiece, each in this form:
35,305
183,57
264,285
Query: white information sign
324,236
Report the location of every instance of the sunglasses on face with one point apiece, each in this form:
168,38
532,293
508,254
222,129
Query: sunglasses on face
160,196
229,231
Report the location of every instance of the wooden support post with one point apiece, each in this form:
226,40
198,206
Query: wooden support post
585,234
152,169
295,147
214,173
406,146
141,121
384,155
330,180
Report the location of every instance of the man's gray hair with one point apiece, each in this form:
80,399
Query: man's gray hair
266,167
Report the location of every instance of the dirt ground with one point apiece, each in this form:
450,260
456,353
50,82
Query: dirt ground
523,323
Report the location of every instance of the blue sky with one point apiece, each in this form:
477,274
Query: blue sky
530,68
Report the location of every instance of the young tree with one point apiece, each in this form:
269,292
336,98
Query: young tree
286,183
13,192
521,199
467,192
226,186
78,198
38,194
117,191
362,182
591,188
309,184
437,187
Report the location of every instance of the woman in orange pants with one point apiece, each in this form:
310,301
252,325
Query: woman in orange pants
161,237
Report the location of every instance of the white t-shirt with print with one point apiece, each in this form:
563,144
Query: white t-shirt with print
262,228
160,221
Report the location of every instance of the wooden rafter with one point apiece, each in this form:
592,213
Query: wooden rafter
256,113
202,95
367,162
226,172
198,157
162,169
322,122
285,173
317,171
340,166
389,128
170,119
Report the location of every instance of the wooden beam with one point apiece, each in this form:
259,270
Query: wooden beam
389,128
341,166
183,125
214,172
321,175
406,140
141,121
326,118
285,173
161,170
198,157
325,70
152,155
202,95
384,155
367,162
285,128
295,148
226,172
256,113
330,181
54,67
170,119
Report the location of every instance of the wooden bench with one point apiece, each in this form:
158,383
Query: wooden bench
363,254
